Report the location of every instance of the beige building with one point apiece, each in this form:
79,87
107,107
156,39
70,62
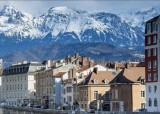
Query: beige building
127,91
94,90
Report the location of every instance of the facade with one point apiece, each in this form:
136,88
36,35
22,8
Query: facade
127,91
94,90
71,90
51,79
18,82
152,55
49,84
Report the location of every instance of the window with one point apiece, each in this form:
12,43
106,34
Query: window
154,52
64,100
154,64
148,27
107,95
85,105
154,27
69,89
116,94
149,89
142,93
154,39
155,89
69,98
142,105
149,102
95,81
149,76
155,102
64,92
155,77
149,64
149,40
85,93
95,94
149,53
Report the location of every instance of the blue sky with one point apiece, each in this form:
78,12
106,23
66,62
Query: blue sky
36,7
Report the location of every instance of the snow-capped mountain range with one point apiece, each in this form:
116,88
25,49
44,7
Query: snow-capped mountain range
20,31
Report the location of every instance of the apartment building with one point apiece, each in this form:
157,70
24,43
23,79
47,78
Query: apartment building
49,85
152,53
94,90
127,91
18,82
51,79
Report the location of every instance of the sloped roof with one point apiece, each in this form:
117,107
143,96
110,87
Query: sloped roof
83,68
100,77
59,74
130,75
153,19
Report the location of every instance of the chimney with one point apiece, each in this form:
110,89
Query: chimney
90,64
72,73
115,65
96,70
68,58
76,55
127,65
83,61
77,63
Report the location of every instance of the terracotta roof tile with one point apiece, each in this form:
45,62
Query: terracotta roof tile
100,77
130,75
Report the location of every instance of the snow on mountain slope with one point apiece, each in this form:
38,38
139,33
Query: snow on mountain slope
138,18
59,20
66,25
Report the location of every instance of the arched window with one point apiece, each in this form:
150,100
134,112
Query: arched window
150,102
155,101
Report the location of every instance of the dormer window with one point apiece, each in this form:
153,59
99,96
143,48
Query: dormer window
154,27
95,81
106,81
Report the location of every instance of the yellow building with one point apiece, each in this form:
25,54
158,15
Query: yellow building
94,90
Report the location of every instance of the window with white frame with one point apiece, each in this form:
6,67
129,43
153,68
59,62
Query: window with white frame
154,63
149,76
148,40
148,27
154,27
154,51
149,53
95,94
155,39
149,64
142,93
155,76
95,81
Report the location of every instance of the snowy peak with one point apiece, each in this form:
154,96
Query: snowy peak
8,10
138,18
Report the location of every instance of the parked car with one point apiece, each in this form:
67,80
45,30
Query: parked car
30,105
3,104
37,106
143,110
91,111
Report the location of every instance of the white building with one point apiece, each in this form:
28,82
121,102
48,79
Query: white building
18,83
152,59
